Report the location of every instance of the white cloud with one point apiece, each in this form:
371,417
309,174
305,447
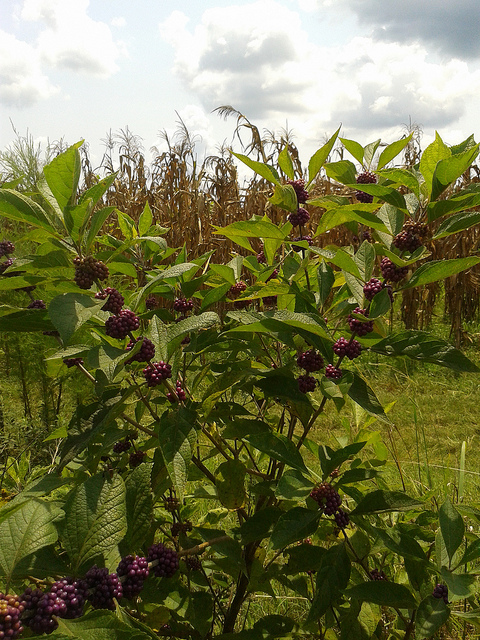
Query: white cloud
258,59
118,21
22,82
71,40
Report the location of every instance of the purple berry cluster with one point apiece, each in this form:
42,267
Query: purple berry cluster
121,446
327,498
357,326
171,504
120,326
37,304
87,270
103,588
151,302
391,272
307,239
332,372
376,574
261,257
182,305
237,289
164,560
310,360
441,592
72,362
136,458
342,519
11,608
371,288
299,218
179,394
299,188
157,372
5,265
366,177
269,301
180,527
406,240
6,248
134,571
65,599
306,383
349,348
146,353
193,563
114,300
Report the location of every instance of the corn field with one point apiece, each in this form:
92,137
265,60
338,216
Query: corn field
190,197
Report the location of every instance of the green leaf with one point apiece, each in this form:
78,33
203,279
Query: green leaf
265,170
460,585
285,163
96,223
330,459
177,438
293,486
284,196
332,578
387,594
230,483
139,508
380,305
214,295
348,213
200,612
62,175
369,153
451,526
278,386
402,177
76,217
98,190
69,311
354,148
385,501
145,220
27,320
472,552
95,519
365,260
383,192
392,150
461,201
451,168
26,529
439,270
278,447
15,206
99,625
342,171
294,525
432,613
224,272
325,279
456,223
431,156
317,160
259,525
361,393
420,345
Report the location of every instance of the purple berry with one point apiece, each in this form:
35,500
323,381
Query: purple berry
391,272
165,560
376,574
6,247
299,218
134,571
146,353
103,588
349,348
120,326
306,383
114,299
332,372
310,360
357,326
441,592
121,446
371,288
5,265
37,304
136,458
327,498
307,239
156,372
182,305
299,187
342,519
11,609
72,362
367,177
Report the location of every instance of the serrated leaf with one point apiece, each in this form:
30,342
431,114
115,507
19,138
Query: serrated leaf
295,524
431,156
230,484
139,508
456,223
354,148
317,160
99,625
284,196
439,270
62,175
342,171
285,163
27,529
385,501
95,519
431,614
449,169
16,206
388,594
265,170
348,213
69,311
392,150
177,438
451,526
420,345
145,220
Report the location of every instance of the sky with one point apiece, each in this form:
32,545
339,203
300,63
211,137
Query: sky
77,69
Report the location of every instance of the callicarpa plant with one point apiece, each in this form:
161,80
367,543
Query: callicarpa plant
194,478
